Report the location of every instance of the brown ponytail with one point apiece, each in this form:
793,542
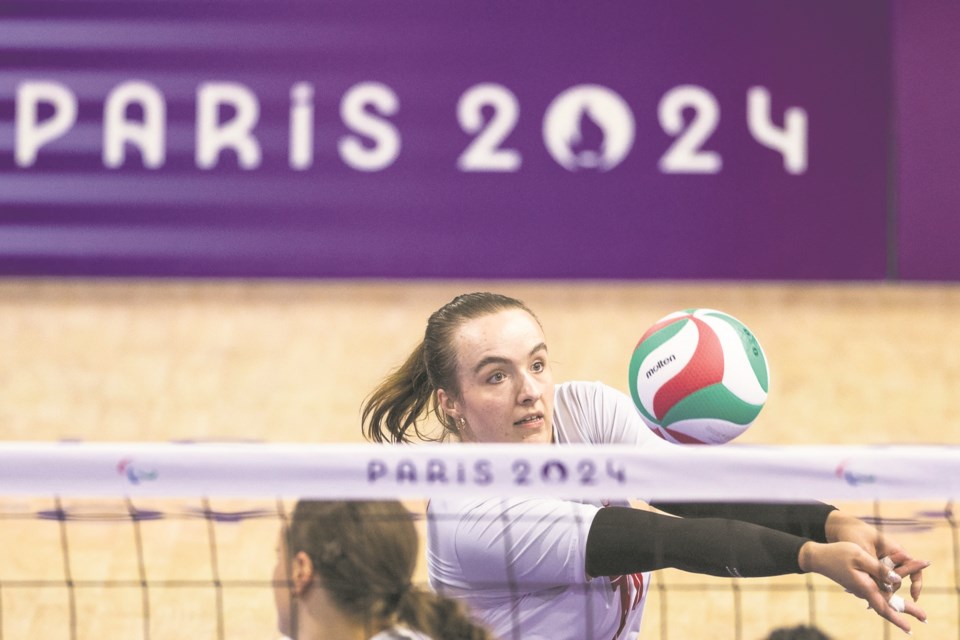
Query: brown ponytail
399,403
438,617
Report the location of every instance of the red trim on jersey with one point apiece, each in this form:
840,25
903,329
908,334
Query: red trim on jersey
622,584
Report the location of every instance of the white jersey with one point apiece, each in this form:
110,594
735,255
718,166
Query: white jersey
520,563
399,633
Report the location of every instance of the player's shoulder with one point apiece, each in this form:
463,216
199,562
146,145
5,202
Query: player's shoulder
576,385
586,392
581,387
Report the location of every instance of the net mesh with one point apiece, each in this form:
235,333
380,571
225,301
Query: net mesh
173,541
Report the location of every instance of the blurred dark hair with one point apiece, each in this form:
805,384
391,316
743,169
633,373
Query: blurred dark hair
799,632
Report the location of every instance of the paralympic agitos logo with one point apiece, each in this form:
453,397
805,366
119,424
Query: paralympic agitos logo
135,474
850,476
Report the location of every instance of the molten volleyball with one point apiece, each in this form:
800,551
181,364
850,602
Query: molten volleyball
699,377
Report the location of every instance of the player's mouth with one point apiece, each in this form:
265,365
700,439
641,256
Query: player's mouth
532,421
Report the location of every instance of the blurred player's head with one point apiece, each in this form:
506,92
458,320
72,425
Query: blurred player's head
345,570
799,632
342,564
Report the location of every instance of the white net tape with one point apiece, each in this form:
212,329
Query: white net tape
332,471
172,540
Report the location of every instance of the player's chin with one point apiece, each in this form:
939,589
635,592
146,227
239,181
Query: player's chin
540,434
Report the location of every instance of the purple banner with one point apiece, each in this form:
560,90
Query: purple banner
362,138
927,72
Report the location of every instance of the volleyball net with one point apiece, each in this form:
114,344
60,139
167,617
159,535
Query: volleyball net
156,541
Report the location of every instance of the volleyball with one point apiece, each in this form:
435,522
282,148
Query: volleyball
699,376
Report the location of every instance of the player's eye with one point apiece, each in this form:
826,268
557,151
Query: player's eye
539,366
497,377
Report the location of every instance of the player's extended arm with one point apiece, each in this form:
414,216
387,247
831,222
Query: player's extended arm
804,519
815,520
624,540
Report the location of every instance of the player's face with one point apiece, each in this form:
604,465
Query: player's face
281,587
506,386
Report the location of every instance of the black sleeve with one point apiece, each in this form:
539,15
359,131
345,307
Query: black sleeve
804,519
624,540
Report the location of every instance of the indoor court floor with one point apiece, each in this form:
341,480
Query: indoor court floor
291,361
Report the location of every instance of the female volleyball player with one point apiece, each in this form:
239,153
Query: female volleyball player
545,568
344,572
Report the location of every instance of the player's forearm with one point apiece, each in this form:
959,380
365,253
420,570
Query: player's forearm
804,519
842,526
623,540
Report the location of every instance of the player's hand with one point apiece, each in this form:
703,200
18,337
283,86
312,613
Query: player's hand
841,527
850,566
903,565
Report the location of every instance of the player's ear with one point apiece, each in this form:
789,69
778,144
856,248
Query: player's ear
448,405
301,572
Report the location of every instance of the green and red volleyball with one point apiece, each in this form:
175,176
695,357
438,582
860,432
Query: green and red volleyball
699,376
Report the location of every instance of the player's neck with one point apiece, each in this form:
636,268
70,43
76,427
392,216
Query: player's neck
319,619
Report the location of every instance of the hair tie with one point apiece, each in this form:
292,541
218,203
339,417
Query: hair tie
394,598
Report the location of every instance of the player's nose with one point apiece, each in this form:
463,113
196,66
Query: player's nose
531,388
